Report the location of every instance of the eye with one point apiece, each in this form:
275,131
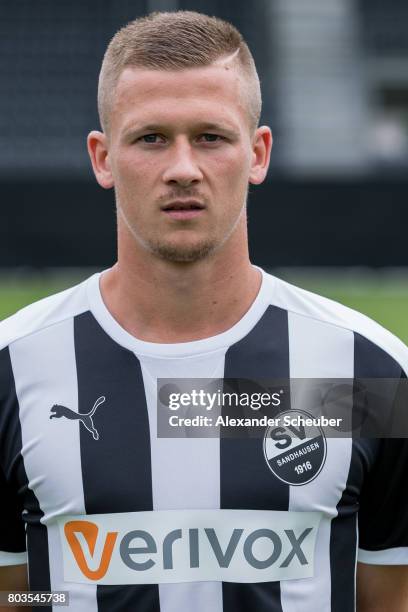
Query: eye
211,137
150,138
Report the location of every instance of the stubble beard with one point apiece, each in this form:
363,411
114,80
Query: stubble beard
181,253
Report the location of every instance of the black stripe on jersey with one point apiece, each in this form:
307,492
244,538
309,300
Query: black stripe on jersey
343,537
383,517
246,480
370,361
13,465
116,468
12,534
38,559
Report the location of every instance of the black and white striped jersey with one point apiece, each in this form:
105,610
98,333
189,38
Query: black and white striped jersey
127,521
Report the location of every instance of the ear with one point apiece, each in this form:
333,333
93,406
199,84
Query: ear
261,154
99,153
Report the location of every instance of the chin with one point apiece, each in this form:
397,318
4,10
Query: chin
182,253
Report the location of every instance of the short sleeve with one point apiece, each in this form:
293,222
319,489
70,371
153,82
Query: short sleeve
12,531
383,514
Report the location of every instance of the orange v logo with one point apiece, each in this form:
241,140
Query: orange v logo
90,532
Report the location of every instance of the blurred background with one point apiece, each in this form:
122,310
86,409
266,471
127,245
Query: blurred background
331,217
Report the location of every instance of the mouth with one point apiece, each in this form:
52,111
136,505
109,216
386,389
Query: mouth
183,209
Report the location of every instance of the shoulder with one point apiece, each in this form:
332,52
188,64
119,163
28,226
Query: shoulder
369,335
44,313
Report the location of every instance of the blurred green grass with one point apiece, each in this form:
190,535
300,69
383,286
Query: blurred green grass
20,289
382,296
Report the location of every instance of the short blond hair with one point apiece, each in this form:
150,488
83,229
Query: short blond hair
175,41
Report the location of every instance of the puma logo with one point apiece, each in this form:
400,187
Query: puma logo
58,411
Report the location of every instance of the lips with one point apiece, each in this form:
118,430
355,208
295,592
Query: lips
183,205
183,210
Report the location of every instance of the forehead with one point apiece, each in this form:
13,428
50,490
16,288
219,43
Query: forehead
208,93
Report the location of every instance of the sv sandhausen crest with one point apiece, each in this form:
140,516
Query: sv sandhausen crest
295,453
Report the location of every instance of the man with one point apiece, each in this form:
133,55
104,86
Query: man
126,520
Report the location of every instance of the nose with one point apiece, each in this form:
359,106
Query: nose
182,168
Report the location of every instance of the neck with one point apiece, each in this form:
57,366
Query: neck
160,301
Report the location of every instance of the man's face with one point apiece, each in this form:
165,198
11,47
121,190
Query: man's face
180,152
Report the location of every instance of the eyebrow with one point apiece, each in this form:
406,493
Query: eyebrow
135,129
215,126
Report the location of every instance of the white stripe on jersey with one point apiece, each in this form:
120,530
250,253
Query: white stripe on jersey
317,350
185,473
49,357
